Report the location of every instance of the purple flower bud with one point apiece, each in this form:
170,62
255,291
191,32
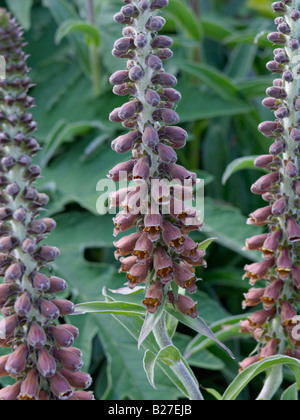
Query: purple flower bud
154,62
264,161
37,226
152,98
276,92
23,305
277,38
271,244
159,4
291,170
293,230
126,245
141,171
144,4
171,95
68,360
184,277
258,271
279,6
178,172
12,189
295,15
61,387
129,109
17,360
57,285
271,294
73,330
282,112
154,297
288,76
284,264
119,77
168,116
30,387
279,208
164,79
176,136
14,272
126,142
61,336
166,154
122,171
284,28
274,67
129,10
40,282
266,181
136,73
47,253
29,246
65,306
173,237
121,19
124,221
123,44
140,41
48,309
294,44
155,24
46,364
256,242
271,103
164,53
79,380
8,326
260,216
270,128
11,393
277,148
36,337
150,136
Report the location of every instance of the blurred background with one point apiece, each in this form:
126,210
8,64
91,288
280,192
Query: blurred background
220,55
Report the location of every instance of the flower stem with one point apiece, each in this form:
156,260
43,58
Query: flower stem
163,340
94,57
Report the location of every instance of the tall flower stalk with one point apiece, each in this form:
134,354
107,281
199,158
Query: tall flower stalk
42,359
274,326
159,253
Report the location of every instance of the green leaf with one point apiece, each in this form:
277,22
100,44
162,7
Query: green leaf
290,394
70,26
169,355
237,165
205,244
197,325
63,11
263,6
22,11
223,329
150,322
211,77
117,308
214,393
66,133
184,16
244,378
218,222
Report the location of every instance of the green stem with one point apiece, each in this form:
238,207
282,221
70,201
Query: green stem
163,340
94,56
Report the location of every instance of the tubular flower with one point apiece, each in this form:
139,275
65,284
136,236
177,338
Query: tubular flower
42,360
162,255
275,327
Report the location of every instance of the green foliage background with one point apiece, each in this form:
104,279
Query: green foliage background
219,57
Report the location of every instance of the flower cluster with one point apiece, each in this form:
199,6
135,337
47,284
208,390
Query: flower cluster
159,252
42,359
275,326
